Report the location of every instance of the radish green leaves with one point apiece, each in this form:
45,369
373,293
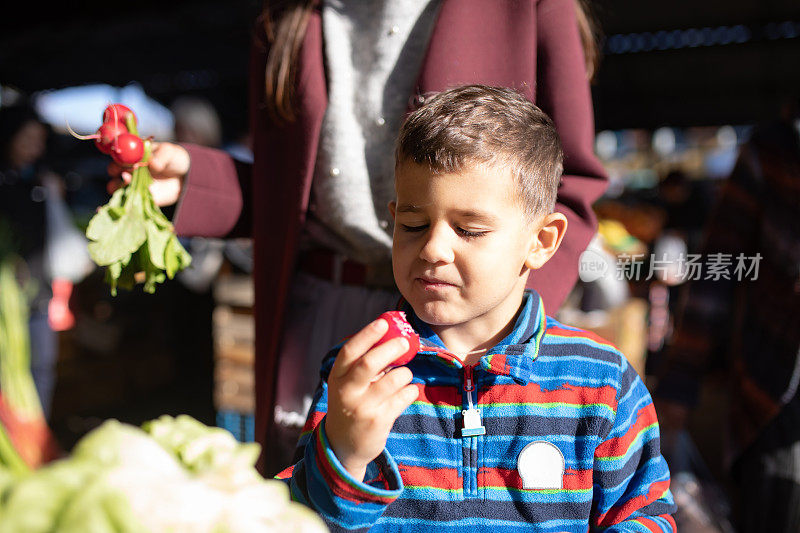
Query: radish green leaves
130,236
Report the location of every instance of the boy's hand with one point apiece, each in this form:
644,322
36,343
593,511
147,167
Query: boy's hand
363,401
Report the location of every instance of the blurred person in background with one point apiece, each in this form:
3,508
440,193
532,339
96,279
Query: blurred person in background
330,83
196,121
685,206
748,328
25,183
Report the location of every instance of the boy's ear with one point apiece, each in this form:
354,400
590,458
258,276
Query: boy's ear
392,208
546,240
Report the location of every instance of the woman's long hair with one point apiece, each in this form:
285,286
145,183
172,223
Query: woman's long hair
285,23
591,35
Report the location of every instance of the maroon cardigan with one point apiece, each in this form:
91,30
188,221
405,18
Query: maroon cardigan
533,46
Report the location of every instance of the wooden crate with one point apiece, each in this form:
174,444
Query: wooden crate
234,344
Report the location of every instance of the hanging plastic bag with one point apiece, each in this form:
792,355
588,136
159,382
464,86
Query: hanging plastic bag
67,253
67,260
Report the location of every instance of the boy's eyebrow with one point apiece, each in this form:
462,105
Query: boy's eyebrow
464,213
477,215
408,208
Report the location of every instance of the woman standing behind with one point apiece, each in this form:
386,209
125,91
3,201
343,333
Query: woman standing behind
330,83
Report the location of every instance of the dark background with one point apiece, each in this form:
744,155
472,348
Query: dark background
181,47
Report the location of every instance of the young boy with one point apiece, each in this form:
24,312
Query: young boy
506,419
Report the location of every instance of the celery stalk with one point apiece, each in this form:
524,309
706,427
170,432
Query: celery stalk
16,380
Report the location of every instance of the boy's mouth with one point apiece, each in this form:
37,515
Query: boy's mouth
433,284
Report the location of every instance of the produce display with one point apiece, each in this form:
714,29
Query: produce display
399,327
130,236
174,474
25,439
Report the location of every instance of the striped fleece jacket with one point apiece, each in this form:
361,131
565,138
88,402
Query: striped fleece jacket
551,431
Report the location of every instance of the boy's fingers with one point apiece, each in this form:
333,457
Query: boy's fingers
358,345
372,363
397,403
390,383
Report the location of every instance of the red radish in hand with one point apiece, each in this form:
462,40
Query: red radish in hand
399,327
118,113
128,149
107,134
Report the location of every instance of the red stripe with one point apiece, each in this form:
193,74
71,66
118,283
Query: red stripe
440,478
509,477
441,352
443,395
533,393
650,525
617,514
286,473
498,363
313,421
619,445
555,330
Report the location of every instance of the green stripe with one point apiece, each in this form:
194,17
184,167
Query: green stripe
548,405
540,491
438,489
544,405
542,324
502,489
342,473
454,408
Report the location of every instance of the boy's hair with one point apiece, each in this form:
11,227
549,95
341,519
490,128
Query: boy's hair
478,124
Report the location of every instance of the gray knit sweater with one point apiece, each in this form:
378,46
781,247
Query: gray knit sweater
373,52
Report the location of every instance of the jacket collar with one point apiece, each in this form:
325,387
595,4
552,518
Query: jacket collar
513,356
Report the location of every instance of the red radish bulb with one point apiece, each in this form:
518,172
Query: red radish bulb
128,149
399,327
118,113
106,134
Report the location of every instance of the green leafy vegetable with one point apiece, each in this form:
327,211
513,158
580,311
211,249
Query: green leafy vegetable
132,238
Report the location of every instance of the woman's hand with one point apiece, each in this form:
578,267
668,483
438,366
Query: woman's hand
169,164
363,399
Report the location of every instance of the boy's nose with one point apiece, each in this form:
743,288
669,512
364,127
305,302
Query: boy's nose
438,248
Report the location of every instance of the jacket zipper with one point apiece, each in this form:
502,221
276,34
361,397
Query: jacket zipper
471,429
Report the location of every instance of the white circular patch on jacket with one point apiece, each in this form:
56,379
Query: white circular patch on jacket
541,466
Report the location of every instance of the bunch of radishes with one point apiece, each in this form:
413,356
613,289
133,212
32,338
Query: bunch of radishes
117,136
130,236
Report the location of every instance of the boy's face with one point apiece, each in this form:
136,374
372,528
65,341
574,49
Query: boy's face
462,243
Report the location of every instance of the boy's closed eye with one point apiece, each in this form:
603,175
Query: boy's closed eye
461,231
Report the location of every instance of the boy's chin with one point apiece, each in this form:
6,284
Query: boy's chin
436,313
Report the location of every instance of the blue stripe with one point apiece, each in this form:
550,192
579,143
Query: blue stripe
481,523
538,497
553,411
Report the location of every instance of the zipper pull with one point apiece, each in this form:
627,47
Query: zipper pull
472,417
